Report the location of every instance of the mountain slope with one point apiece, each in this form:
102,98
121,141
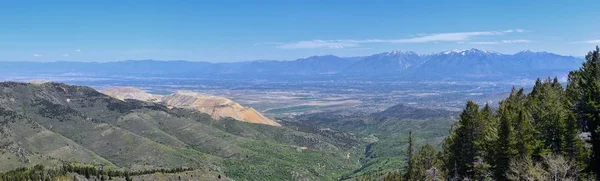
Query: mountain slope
464,63
217,107
475,63
85,117
385,63
50,123
123,93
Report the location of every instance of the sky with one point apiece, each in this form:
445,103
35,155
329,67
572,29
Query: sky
243,30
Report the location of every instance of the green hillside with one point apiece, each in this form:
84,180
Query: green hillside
52,124
386,133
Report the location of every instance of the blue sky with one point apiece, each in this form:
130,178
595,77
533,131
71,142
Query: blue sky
225,31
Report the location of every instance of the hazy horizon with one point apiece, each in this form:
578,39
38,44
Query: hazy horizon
293,59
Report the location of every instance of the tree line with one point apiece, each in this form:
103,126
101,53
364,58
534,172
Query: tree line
39,172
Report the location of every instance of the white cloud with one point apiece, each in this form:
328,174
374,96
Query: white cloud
319,44
460,36
66,55
589,41
498,42
78,50
516,41
515,30
37,55
483,42
421,38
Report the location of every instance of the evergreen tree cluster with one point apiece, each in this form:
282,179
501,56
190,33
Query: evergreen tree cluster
34,173
532,136
422,165
550,133
38,172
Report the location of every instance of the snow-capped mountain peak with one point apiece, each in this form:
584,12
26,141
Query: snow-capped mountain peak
531,52
526,51
465,52
400,52
460,51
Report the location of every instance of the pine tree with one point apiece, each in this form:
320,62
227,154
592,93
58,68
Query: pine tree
574,92
525,144
391,176
410,160
556,84
485,137
461,148
548,108
586,102
574,147
505,148
86,173
489,135
426,164
524,137
447,153
536,87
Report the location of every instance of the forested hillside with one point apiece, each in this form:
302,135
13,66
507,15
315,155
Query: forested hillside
550,133
386,133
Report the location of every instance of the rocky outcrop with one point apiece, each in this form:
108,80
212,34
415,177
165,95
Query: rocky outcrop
217,107
123,93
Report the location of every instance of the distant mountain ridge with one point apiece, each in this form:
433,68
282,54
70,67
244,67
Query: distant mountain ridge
471,63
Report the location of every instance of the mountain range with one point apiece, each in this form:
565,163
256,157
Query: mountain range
456,64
